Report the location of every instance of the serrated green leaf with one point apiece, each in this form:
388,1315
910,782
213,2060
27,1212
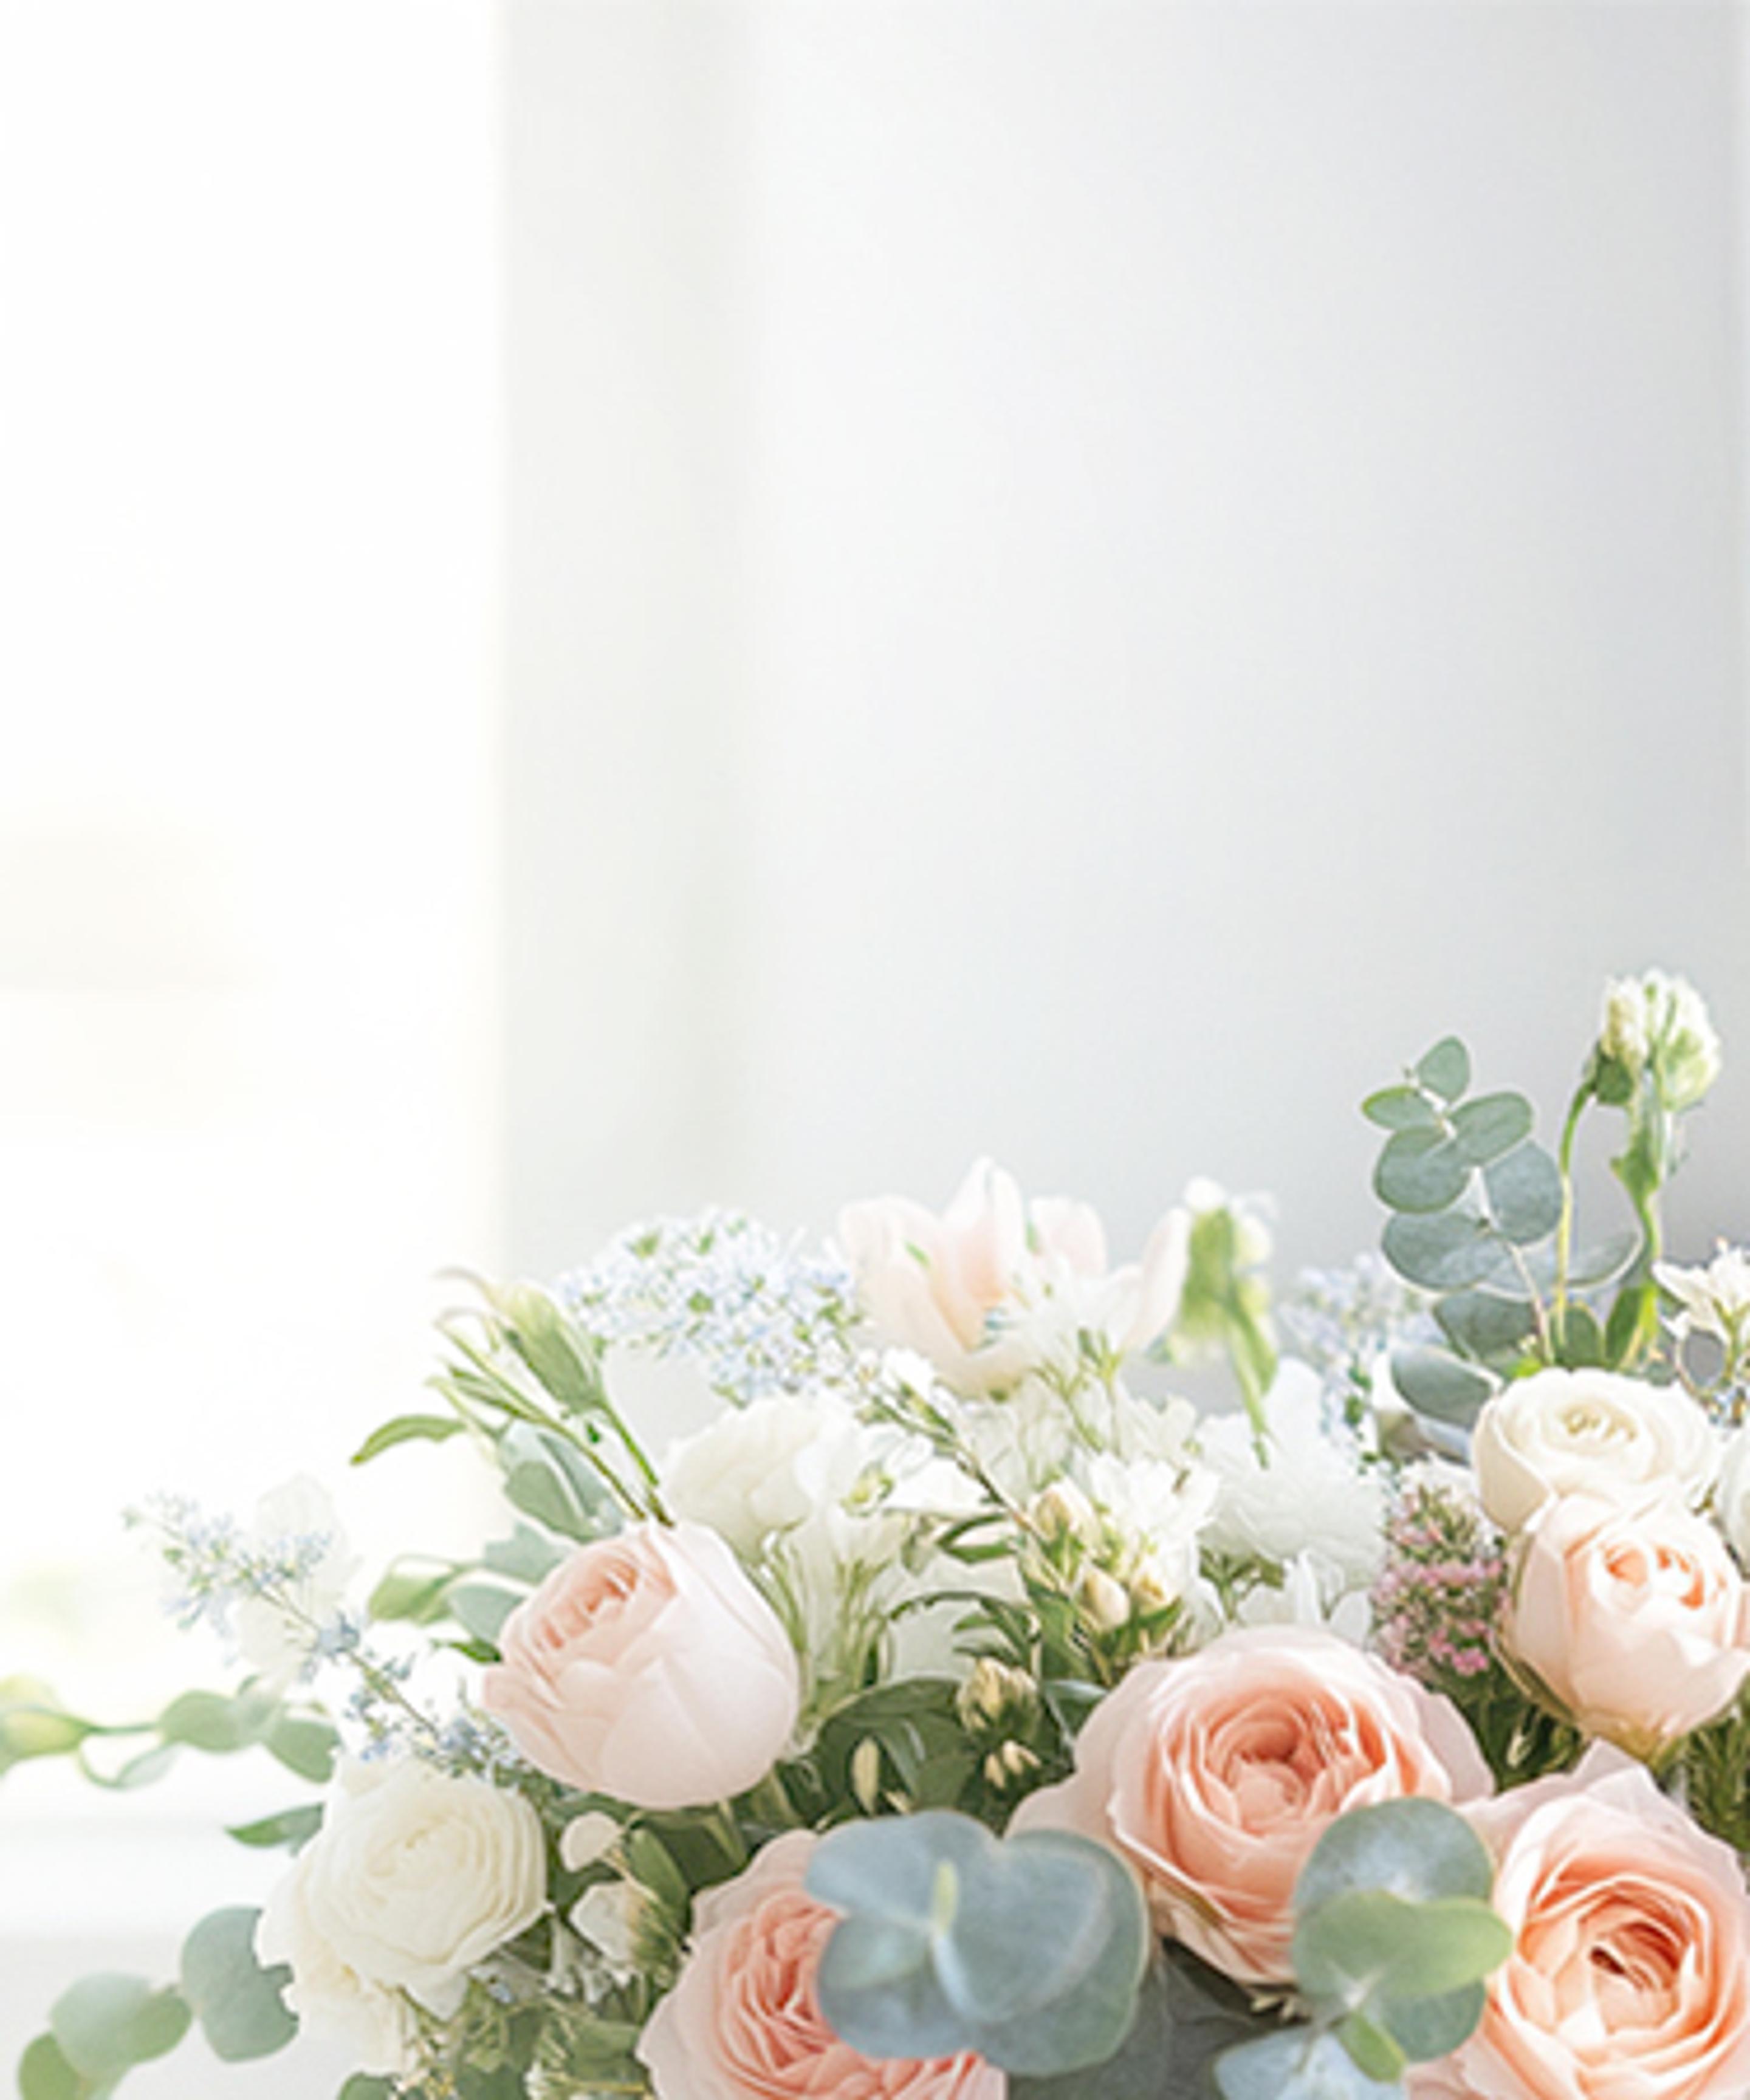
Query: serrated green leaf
238,2002
45,2074
1399,1108
106,2024
1449,1251
1436,1384
1446,1069
1484,1323
1525,1193
408,1429
1491,1125
1421,1171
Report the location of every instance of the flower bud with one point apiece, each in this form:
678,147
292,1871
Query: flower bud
1063,1511
995,1696
1103,1601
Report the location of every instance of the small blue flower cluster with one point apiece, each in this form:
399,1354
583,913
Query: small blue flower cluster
1341,1320
760,1315
217,1566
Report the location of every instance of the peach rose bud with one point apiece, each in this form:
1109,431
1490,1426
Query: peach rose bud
648,1667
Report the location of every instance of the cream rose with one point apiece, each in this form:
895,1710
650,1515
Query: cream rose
648,1667
414,1877
742,2022
1567,1433
949,1286
1215,1777
1630,1975
1632,1614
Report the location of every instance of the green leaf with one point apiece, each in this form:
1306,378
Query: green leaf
408,1429
209,1721
1634,1324
1580,1344
1491,1124
417,1599
1419,1171
482,1608
45,2074
1525,1192
1414,1848
105,2024
1399,1108
1427,2029
1372,2050
1484,1324
877,1987
293,1827
550,1482
1297,2064
305,1745
1435,1383
526,1555
552,1348
359,2087
237,2000
1604,1263
888,1868
1446,1069
1363,1944
1447,1252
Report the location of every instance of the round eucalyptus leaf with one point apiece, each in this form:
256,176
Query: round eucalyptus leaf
1436,1384
1446,1069
481,1608
880,2001
45,2074
106,2023
1580,1342
890,1867
1420,1171
237,2000
1417,1849
1400,1107
1525,1192
1297,2064
1491,1124
1604,1263
1484,1323
1366,1943
1449,1251
1427,2029
1371,2049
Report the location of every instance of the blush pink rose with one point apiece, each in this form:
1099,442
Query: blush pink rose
648,1667
1630,1975
742,2022
1215,1776
1632,1614
947,1285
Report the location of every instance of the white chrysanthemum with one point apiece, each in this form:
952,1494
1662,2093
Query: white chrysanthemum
1309,1497
1159,1510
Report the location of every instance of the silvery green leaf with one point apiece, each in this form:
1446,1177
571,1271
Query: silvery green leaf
526,1555
1420,1170
209,1721
891,1867
1484,1323
106,2024
1449,1251
1362,1944
1372,2050
237,2000
1525,1193
1297,2064
1399,1108
1414,1848
1446,1069
292,1827
1435,1383
1427,2029
304,1744
45,2074
1491,1124
481,1608
878,1989
548,1481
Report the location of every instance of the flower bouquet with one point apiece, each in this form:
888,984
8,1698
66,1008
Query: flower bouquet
957,1714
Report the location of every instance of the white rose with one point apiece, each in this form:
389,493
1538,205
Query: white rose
413,1878
1567,1433
766,1467
375,2023
274,1643
1310,1497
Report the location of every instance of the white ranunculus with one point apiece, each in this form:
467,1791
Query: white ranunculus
375,2023
1588,1432
413,1878
766,1467
1310,1497
274,1643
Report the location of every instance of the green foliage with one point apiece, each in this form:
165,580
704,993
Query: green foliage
408,1429
292,1828
238,2002
1031,1950
1298,2064
103,2025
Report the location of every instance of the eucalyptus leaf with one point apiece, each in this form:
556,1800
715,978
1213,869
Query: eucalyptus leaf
1446,1069
238,2002
548,1480
304,1744
1363,1944
1400,1107
408,1429
1415,1848
1437,1384
292,1827
105,2024
1604,1263
1372,2050
526,1555
1485,1323
1491,1124
45,2074
1297,2064
1449,1251
416,1598
481,1608
1421,1171
1525,1193
1427,2029
878,1987
209,1721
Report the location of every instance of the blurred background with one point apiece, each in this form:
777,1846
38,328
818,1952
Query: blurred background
610,604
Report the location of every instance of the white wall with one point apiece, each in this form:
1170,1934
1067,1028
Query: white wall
1102,572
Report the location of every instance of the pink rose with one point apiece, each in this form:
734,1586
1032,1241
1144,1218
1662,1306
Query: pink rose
1630,1975
947,1286
1215,1776
648,1667
1632,1614
742,2023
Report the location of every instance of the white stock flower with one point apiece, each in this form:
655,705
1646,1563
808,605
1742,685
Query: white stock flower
1310,1497
414,1877
766,1467
1714,1296
275,1643
1564,1432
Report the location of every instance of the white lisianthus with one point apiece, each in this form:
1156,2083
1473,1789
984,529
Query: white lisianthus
300,1517
413,1878
766,1467
1715,1297
1564,1432
1311,1496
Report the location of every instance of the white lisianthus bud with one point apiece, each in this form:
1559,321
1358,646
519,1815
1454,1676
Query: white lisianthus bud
587,1838
1062,1510
994,1692
1103,1601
